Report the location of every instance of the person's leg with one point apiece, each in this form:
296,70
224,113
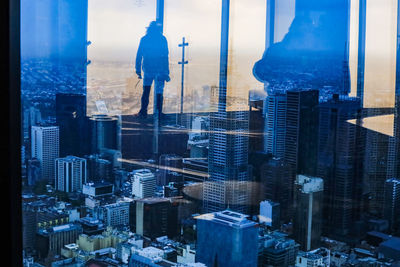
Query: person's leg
147,81
159,90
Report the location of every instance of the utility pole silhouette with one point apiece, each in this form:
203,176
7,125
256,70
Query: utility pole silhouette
183,63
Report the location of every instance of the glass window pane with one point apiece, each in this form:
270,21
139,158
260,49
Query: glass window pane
114,30
199,22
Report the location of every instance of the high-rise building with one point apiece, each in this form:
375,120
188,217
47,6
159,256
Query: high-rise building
308,211
228,184
376,170
156,217
392,204
275,124
169,165
195,169
276,185
226,238
98,169
73,124
340,157
70,174
270,214
33,171
45,147
31,117
104,133
115,214
143,183
301,137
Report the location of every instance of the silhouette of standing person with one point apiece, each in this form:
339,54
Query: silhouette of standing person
152,57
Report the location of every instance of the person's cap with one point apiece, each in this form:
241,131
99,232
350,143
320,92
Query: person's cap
154,24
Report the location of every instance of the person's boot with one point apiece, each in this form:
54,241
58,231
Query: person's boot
160,100
144,102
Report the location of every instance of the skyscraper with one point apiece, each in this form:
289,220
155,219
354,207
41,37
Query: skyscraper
33,171
104,133
340,152
73,124
70,173
376,170
143,183
277,186
45,147
168,166
308,211
392,204
228,185
226,238
156,217
98,169
301,138
275,124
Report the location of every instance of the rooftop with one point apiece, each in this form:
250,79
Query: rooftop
228,217
152,200
393,243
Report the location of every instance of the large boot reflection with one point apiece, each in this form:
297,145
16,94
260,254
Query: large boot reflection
313,54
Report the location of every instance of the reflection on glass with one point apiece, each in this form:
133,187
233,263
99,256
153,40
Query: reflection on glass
380,53
114,30
245,47
198,21
274,161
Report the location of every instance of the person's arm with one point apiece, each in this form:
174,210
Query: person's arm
166,57
139,58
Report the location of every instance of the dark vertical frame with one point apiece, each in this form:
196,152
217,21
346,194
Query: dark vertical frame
270,26
223,62
396,129
160,13
11,140
362,14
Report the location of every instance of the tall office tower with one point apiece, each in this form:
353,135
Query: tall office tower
308,211
270,214
195,169
156,217
33,171
31,117
104,133
143,183
115,214
226,238
376,165
301,140
275,124
70,173
392,204
276,185
340,157
45,147
396,130
73,124
98,169
228,185
169,165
